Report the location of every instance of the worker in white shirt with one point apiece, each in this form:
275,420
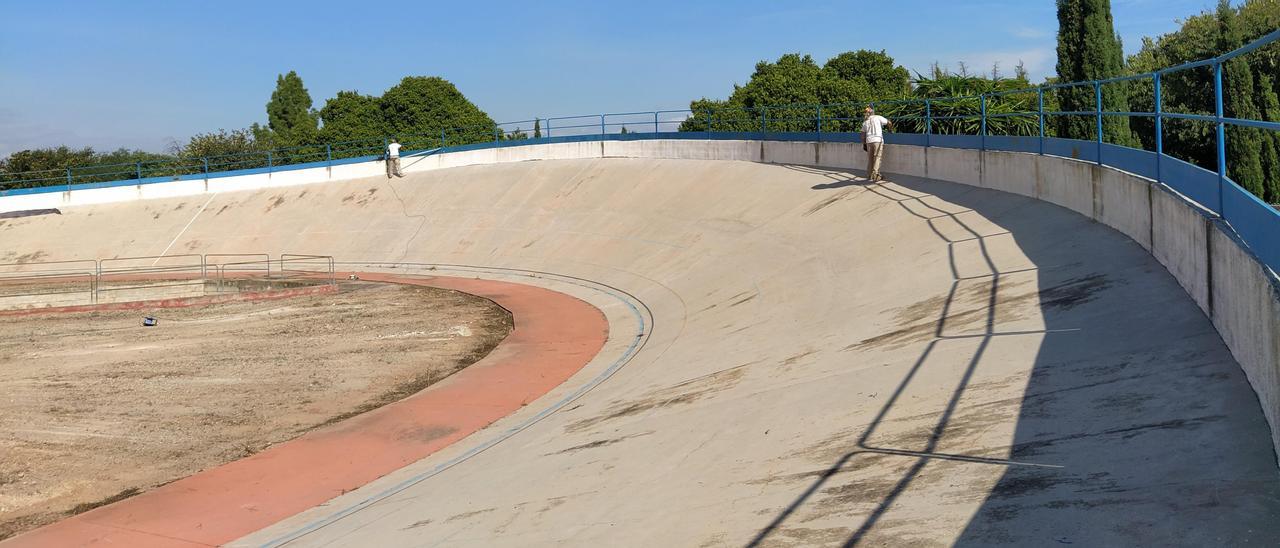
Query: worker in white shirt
873,141
393,159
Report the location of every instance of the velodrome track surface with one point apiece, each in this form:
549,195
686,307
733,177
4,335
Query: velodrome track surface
796,357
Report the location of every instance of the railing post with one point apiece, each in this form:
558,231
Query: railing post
68,179
442,138
1097,107
764,121
1222,136
138,167
711,120
655,123
206,166
270,161
1040,116
1159,126
928,121
328,154
982,100
496,129
548,128
602,127
819,123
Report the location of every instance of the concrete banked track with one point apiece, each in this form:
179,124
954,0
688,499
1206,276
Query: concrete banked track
796,357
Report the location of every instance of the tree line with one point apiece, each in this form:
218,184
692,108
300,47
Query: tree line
784,95
421,111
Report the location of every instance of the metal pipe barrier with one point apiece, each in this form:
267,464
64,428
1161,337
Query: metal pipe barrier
300,262
222,263
37,279
22,282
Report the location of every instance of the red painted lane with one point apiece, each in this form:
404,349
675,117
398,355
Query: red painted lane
555,335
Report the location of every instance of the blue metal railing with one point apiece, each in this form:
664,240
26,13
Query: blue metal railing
1257,223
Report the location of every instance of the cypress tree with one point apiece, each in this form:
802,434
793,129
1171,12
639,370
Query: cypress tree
1271,139
289,116
537,128
1089,49
1244,144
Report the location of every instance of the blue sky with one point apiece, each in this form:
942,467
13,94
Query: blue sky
142,74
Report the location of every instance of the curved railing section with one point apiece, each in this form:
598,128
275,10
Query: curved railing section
955,122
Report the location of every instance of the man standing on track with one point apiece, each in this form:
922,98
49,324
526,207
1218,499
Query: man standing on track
873,141
393,159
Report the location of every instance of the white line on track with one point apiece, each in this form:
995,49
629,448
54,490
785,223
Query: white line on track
184,229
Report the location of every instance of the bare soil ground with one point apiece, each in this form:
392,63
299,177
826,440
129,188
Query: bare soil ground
95,407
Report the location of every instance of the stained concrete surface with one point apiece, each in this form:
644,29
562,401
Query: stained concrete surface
830,362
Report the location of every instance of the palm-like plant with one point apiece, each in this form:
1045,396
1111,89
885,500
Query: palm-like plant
955,106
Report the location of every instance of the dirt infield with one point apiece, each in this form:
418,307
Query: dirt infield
97,407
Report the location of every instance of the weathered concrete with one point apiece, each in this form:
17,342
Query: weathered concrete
1010,172
1246,313
1066,182
825,360
791,152
842,155
821,351
904,159
682,149
1123,202
956,165
1180,241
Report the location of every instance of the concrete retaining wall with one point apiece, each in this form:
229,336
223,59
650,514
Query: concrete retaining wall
844,155
1246,310
955,164
1239,294
1064,182
1119,201
1180,241
791,152
905,159
1007,171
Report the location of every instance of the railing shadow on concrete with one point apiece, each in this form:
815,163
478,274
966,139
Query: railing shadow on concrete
1067,452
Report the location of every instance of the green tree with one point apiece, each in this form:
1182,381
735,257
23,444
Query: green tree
290,118
1090,49
785,94
963,116
1203,36
350,116
537,128
1271,139
427,105
48,166
885,79
1189,91
417,110
219,143
1244,144
53,160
